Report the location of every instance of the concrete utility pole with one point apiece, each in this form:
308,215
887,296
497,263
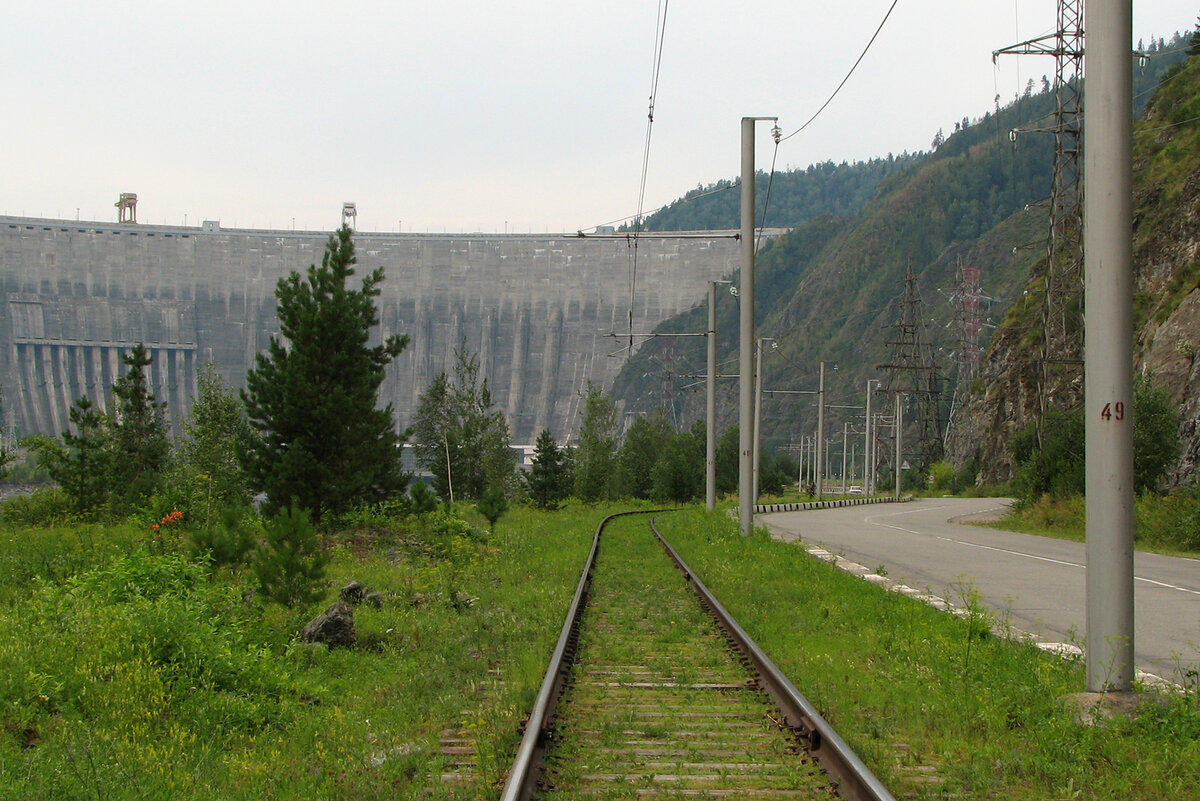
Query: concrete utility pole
811,472
710,387
803,466
845,441
899,445
821,434
868,473
746,335
1108,344
758,390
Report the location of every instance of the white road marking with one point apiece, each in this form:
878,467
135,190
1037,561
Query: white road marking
1009,551
905,512
1167,586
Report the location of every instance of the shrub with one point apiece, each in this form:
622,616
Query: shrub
290,564
1171,521
1155,435
941,476
142,575
964,477
43,507
1058,467
135,651
447,536
227,542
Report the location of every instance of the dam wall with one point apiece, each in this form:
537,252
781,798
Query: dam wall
539,310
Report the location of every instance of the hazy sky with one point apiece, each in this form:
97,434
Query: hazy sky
470,116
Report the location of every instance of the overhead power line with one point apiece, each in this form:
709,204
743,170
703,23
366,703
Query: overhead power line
660,32
661,25
874,36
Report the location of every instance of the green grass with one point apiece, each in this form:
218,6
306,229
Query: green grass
129,671
894,676
1166,524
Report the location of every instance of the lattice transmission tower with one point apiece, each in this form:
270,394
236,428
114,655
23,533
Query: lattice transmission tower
913,371
970,306
667,377
1060,374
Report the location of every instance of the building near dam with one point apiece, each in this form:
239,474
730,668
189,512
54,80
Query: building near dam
540,311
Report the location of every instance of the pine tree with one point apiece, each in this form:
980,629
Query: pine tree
483,435
7,453
312,395
493,505
433,426
140,443
678,474
548,479
81,462
728,460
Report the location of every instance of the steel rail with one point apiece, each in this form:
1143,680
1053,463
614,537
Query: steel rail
853,778
527,764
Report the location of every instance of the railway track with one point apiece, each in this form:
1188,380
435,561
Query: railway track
652,693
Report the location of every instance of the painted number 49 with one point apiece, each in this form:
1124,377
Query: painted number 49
1113,411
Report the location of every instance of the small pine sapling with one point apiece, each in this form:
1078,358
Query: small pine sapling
493,504
421,500
227,542
290,564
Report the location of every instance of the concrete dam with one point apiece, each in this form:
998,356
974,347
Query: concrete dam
539,310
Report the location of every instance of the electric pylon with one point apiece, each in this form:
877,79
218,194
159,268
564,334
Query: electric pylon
667,377
969,303
1060,374
913,371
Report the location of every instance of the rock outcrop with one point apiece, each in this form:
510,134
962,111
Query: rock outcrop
334,627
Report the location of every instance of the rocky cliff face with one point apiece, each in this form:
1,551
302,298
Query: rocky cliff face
1167,252
1166,233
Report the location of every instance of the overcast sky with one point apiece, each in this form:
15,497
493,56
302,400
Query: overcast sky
449,115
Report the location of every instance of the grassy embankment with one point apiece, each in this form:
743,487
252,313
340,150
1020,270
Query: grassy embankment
130,671
911,687
1166,524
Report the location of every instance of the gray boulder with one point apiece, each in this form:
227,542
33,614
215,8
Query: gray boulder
333,627
352,593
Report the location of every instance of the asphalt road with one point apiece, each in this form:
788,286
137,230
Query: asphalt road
1037,582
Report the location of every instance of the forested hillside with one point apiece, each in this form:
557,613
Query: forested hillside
829,289
796,196
826,188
